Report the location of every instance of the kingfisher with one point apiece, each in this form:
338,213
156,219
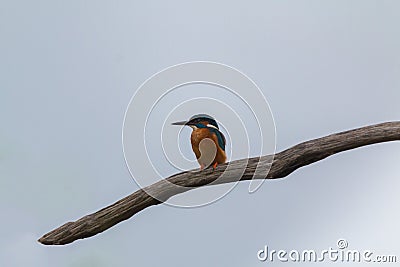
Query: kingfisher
208,142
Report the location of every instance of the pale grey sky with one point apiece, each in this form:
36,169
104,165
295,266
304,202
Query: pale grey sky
69,69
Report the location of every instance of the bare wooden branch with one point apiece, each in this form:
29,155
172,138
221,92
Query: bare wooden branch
283,164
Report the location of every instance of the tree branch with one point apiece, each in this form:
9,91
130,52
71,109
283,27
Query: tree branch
283,164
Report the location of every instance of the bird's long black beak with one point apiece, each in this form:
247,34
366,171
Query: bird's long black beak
179,123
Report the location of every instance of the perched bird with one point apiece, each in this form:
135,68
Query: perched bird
208,143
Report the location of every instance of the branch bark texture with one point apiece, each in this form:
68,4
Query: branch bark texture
283,163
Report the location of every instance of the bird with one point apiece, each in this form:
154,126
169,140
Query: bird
208,142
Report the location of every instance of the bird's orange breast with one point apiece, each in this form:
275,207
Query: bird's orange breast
200,134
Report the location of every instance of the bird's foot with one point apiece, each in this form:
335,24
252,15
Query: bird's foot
215,165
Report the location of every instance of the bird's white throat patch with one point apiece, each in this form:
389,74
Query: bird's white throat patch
212,126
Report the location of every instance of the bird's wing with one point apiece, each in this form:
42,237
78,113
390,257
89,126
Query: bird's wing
220,137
